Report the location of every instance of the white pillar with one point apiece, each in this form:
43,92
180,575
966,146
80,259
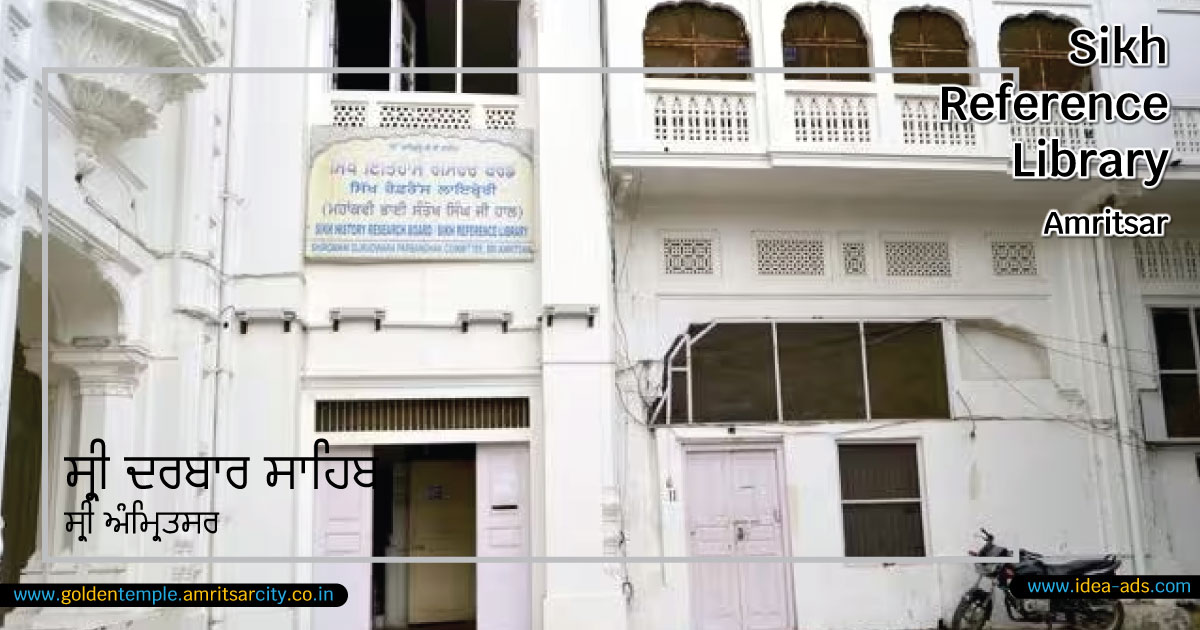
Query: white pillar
106,382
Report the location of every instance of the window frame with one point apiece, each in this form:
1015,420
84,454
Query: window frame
825,45
396,44
1193,310
928,79
921,501
694,44
681,351
1041,55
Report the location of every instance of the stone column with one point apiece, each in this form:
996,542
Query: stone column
106,380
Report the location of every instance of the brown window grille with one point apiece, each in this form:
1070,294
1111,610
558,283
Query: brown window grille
422,414
691,34
1039,45
818,36
929,39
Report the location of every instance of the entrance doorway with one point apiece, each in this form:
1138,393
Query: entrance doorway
735,508
435,500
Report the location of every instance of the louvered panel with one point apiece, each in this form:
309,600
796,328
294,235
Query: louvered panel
422,414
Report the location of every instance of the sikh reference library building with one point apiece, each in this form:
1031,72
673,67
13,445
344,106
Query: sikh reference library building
576,315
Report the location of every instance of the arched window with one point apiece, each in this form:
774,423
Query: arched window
820,36
1039,46
691,34
929,39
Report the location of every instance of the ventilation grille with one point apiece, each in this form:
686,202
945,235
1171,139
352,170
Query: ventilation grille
422,414
854,258
688,255
917,259
1168,259
1014,258
796,255
424,116
349,114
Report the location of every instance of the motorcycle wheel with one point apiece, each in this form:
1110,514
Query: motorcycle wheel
1102,615
971,614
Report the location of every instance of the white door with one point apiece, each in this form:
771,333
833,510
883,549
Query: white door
734,509
502,521
343,528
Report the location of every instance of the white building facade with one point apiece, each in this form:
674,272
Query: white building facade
777,314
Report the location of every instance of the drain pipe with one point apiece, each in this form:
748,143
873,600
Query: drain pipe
1114,339
220,373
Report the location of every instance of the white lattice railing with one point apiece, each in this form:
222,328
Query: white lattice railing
1070,135
1168,259
715,119
417,110
1185,122
921,128
837,120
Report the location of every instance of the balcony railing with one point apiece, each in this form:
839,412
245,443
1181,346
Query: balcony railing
418,110
1186,125
749,117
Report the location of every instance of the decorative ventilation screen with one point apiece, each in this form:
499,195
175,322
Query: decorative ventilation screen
917,259
500,117
425,116
790,256
422,414
688,255
1168,259
349,114
1014,258
854,258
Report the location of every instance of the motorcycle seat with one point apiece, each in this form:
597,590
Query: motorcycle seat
1084,567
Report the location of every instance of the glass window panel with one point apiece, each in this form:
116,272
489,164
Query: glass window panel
490,40
363,40
879,471
1173,338
820,366
1061,75
679,411
669,22
733,367
1181,402
713,23
883,530
906,371
942,31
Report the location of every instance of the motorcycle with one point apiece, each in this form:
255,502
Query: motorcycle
975,608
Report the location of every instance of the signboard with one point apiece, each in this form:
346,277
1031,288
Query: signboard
379,195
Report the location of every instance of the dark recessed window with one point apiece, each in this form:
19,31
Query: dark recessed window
881,500
1175,341
906,370
819,36
809,371
694,35
929,39
1039,45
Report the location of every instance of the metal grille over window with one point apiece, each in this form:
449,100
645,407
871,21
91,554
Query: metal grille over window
422,414
929,39
1039,45
1014,258
824,37
854,258
695,35
790,256
881,500
688,256
1178,369
917,259
1168,259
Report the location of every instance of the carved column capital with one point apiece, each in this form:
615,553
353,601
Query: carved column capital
104,372
114,107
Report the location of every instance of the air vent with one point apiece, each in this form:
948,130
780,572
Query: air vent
790,255
422,414
690,255
1014,258
917,258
